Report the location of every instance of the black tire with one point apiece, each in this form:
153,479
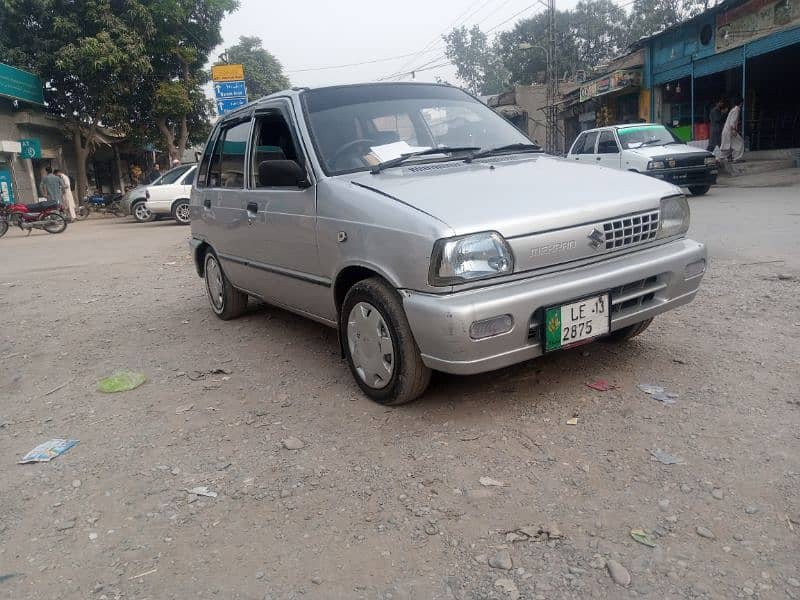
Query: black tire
82,212
699,190
140,212
3,227
116,209
228,302
58,224
409,376
180,212
623,335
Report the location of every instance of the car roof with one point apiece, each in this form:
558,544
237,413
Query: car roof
625,126
297,91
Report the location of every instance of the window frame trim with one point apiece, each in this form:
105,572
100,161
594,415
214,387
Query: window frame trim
230,123
280,105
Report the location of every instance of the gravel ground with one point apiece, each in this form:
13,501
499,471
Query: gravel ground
388,503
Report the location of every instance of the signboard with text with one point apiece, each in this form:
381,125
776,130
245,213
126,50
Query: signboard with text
230,89
754,19
620,79
227,73
31,148
20,85
226,105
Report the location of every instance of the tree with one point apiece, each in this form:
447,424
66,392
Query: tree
600,31
263,73
650,16
171,101
91,56
477,64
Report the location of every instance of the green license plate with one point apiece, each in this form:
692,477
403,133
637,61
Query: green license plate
570,324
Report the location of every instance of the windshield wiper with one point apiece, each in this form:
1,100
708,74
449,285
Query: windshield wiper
393,162
648,142
519,147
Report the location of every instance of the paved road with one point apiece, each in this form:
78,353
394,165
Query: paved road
386,503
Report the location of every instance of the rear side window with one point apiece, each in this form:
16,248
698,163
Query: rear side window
577,147
227,162
202,172
607,143
588,145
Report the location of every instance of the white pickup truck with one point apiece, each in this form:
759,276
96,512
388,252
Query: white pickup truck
650,149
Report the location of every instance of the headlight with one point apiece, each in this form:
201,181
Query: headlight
470,257
711,161
655,164
674,217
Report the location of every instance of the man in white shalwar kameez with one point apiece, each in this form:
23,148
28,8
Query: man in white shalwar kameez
732,143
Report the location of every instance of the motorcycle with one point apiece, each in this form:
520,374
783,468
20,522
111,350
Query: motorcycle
42,215
102,203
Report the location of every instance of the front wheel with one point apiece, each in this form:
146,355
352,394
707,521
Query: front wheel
699,190
3,227
379,345
181,212
82,212
141,213
55,223
226,301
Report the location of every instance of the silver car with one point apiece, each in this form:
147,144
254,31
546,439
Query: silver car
430,232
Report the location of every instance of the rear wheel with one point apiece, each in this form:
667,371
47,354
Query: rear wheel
626,333
82,212
56,223
699,190
3,227
141,213
180,212
226,301
379,345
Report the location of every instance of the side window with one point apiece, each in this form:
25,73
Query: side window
227,162
394,128
275,156
189,179
577,147
202,174
607,143
588,144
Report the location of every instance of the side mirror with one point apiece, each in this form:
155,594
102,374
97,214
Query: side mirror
282,173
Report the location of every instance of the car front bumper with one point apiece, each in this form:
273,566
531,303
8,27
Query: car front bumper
641,284
686,176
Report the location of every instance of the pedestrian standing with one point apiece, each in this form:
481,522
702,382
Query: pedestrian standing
176,163
154,173
69,199
732,143
716,120
53,187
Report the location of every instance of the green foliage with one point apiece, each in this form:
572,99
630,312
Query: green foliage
263,73
477,64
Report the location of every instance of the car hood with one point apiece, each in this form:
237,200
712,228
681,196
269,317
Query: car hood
517,196
668,150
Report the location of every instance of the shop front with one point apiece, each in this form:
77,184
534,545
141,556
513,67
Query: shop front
737,49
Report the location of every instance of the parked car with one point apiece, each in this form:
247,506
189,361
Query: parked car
166,194
461,248
649,149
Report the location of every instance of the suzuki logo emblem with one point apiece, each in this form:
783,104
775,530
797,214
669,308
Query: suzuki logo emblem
597,238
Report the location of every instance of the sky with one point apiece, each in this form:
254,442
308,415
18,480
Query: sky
309,35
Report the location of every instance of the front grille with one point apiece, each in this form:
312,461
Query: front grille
691,161
635,295
631,230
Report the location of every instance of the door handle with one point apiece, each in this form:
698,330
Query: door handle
598,158
207,202
252,207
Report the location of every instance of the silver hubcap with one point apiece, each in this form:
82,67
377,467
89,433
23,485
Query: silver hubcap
370,345
214,283
182,213
142,212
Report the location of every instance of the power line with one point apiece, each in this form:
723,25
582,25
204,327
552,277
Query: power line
358,64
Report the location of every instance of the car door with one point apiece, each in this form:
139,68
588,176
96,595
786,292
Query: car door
608,154
587,152
167,190
282,215
224,200
577,147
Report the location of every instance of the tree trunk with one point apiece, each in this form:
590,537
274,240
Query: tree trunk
81,156
183,138
169,139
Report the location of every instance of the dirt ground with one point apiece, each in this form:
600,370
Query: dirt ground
388,503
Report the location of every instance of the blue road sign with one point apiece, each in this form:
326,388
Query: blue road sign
226,105
229,89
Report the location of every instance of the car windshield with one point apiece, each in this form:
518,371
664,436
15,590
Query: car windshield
172,175
645,135
356,127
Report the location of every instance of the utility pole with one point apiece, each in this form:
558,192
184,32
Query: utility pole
552,79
